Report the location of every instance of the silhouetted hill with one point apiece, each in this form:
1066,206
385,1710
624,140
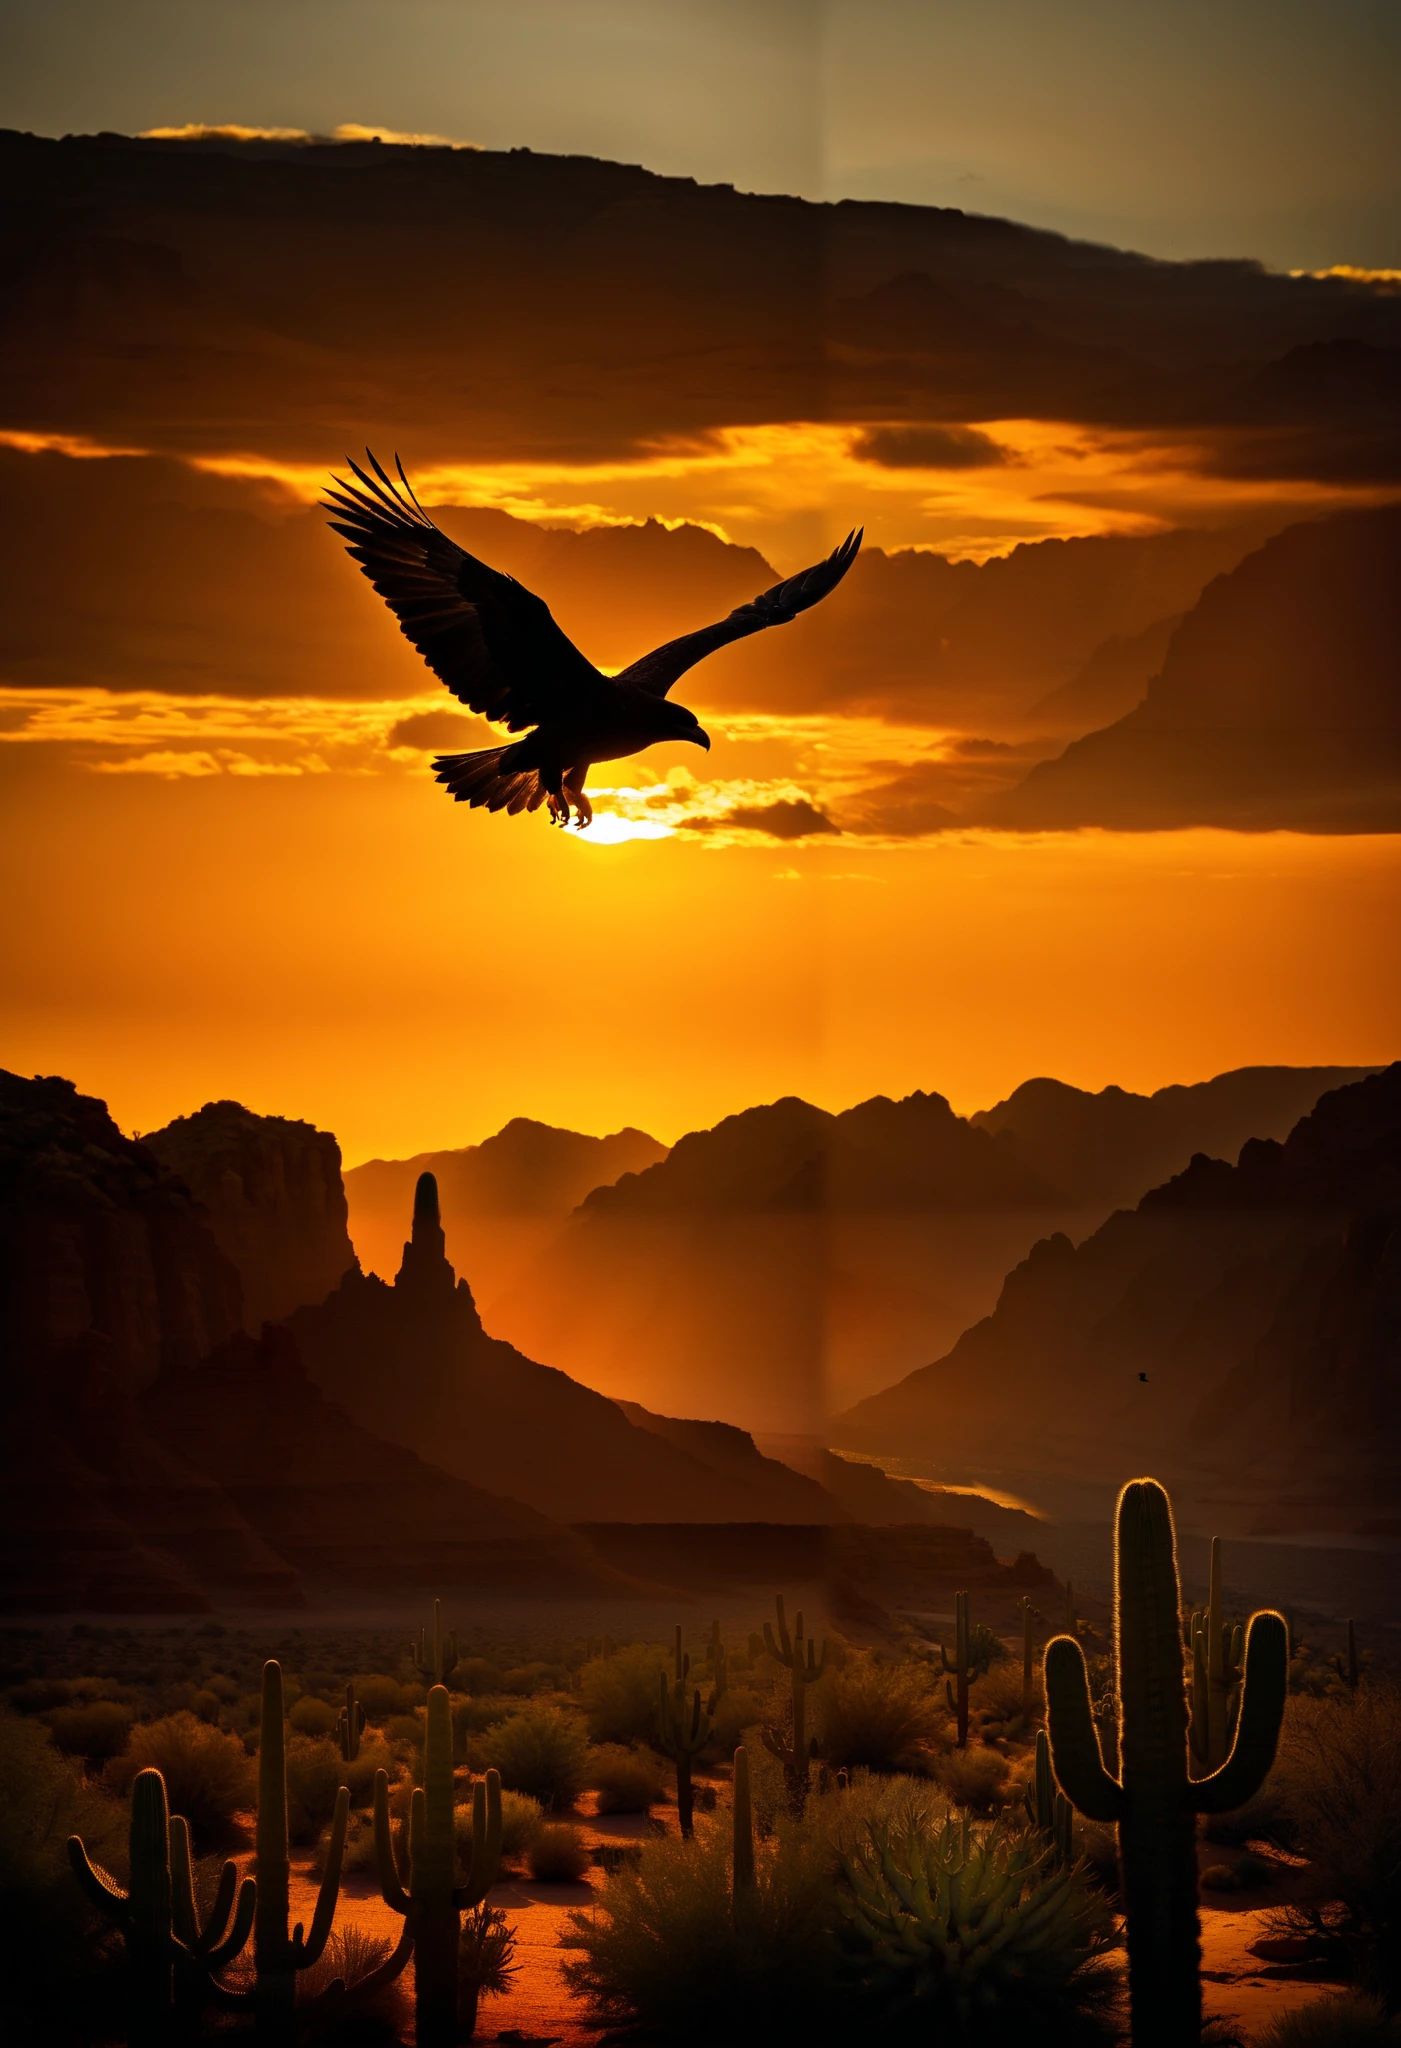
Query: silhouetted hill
1236,1332
1112,681
1278,706
501,1201
413,1362
96,1236
1110,1147
271,1188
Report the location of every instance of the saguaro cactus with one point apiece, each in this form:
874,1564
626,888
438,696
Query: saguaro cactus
279,1954
351,1725
958,1701
717,1664
804,1667
1349,1672
142,1913
433,1902
437,1666
1047,1807
682,1731
209,1945
1029,1617
1153,1801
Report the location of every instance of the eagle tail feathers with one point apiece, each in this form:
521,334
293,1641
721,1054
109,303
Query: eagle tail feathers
491,780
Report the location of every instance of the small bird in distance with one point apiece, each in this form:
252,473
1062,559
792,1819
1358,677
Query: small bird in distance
499,651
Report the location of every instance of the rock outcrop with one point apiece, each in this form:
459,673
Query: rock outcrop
272,1190
412,1362
98,1237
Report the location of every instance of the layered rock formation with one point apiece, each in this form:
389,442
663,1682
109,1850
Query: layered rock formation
1237,1333
271,1188
97,1237
412,1362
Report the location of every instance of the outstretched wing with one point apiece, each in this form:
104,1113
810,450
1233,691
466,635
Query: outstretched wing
658,670
492,641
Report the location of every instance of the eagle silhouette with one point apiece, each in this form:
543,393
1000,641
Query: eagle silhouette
496,646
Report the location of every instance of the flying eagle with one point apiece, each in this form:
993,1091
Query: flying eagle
500,652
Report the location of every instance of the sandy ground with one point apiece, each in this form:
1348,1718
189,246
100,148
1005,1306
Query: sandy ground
1237,1985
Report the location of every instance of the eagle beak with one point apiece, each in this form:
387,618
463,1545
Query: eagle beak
702,739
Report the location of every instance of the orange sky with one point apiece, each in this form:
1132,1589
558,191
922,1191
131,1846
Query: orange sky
348,947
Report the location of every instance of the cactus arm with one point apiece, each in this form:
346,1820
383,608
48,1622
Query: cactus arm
394,1895
307,1950
486,1843
1257,1727
366,1987
99,1889
184,1915
240,1928
1075,1756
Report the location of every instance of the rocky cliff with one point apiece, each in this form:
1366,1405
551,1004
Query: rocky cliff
97,1236
1236,1333
271,1188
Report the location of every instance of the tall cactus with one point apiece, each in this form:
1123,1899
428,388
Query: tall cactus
351,1724
1349,1672
958,1701
1030,1615
142,1913
279,1954
683,1729
1047,1807
1153,1801
206,1946
437,1666
433,1902
804,1668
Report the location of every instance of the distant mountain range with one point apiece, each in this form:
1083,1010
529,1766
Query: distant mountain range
1235,1333
790,1256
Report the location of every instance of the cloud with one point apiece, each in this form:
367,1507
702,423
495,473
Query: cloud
929,448
790,818
432,731
347,131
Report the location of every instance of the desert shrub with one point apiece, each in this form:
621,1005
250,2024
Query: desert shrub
917,1906
530,1678
359,1853
312,1716
521,1821
224,1689
1338,1779
485,1963
738,1708
1348,2019
626,1780
40,1695
557,1855
884,1716
663,1950
359,1777
543,1751
1218,1877
207,1774
379,1695
315,1773
997,1695
351,1952
619,1693
477,1675
474,1716
205,1705
56,1961
875,1799
404,1729
98,1729
974,1777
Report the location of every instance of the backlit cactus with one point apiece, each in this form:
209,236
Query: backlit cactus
683,1729
142,1913
804,1668
1216,1650
280,1953
1153,1801
1047,1807
432,1903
